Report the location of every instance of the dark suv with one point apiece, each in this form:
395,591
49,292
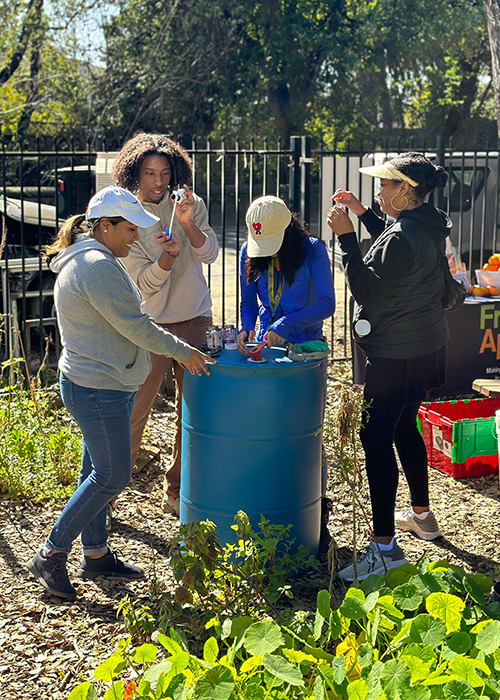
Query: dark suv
30,218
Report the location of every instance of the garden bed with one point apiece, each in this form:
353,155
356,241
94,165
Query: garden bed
47,646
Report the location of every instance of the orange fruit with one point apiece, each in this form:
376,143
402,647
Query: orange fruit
480,291
471,290
494,259
490,267
494,291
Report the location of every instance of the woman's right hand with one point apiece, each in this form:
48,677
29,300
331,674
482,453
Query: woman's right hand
338,220
197,362
241,340
347,199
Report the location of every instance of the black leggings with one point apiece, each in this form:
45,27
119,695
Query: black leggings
391,421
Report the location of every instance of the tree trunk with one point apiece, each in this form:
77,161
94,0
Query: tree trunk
457,119
37,37
30,24
31,101
279,106
492,9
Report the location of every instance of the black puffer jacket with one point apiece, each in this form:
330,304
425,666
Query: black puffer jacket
399,285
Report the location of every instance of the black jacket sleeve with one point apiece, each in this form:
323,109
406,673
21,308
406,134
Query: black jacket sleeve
368,281
372,223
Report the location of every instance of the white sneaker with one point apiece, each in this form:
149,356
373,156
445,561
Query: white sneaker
171,505
426,528
370,561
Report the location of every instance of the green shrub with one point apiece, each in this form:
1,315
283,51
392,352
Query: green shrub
39,445
246,578
417,633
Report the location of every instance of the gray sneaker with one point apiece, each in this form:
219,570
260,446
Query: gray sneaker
52,574
425,528
370,561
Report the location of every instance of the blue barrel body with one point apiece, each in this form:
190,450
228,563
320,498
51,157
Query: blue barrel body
251,440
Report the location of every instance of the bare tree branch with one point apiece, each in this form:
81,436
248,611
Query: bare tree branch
30,24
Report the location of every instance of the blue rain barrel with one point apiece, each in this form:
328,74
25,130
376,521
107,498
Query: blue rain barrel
251,440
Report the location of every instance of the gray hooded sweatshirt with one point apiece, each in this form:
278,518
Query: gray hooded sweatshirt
105,334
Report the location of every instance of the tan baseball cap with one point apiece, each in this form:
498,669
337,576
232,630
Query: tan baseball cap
266,219
387,171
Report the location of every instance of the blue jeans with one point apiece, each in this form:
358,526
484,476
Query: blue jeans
103,416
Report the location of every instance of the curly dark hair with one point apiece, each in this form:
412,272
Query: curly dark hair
291,255
125,170
420,169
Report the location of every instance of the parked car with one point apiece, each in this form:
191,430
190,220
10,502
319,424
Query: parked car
471,197
29,221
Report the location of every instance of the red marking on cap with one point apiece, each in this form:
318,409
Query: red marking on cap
257,227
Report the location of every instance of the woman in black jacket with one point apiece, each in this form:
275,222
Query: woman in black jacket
400,325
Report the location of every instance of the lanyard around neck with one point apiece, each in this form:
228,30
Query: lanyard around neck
274,297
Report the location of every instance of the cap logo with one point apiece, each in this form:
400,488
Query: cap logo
257,227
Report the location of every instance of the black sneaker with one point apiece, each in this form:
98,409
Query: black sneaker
109,566
52,574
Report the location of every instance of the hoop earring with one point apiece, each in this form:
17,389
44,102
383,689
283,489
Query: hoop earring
399,195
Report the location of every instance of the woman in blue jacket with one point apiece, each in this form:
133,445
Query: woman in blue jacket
286,281
286,291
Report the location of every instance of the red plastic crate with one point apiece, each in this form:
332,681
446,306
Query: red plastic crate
460,436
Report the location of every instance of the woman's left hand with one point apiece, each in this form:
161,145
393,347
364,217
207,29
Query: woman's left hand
273,339
339,221
184,208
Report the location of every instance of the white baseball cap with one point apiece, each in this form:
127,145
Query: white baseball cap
266,219
116,201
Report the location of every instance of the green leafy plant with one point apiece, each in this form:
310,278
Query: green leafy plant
137,620
417,633
39,445
245,578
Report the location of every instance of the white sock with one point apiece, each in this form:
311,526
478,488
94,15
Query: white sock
386,547
421,516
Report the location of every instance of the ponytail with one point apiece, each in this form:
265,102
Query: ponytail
66,236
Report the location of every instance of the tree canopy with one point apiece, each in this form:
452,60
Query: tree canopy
337,69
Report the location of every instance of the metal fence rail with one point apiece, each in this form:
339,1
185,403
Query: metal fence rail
40,189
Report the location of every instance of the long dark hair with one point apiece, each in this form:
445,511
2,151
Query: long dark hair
291,255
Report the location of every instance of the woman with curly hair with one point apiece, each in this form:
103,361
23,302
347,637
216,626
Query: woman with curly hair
167,268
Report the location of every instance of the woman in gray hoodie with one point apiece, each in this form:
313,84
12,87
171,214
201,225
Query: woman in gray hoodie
106,339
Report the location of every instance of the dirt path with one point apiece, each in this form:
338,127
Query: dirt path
47,647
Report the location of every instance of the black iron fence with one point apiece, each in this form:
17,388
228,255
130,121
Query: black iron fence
40,189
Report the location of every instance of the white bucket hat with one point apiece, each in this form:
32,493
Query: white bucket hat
387,171
266,219
115,201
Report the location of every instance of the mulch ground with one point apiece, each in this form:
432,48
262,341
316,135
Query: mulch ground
48,646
